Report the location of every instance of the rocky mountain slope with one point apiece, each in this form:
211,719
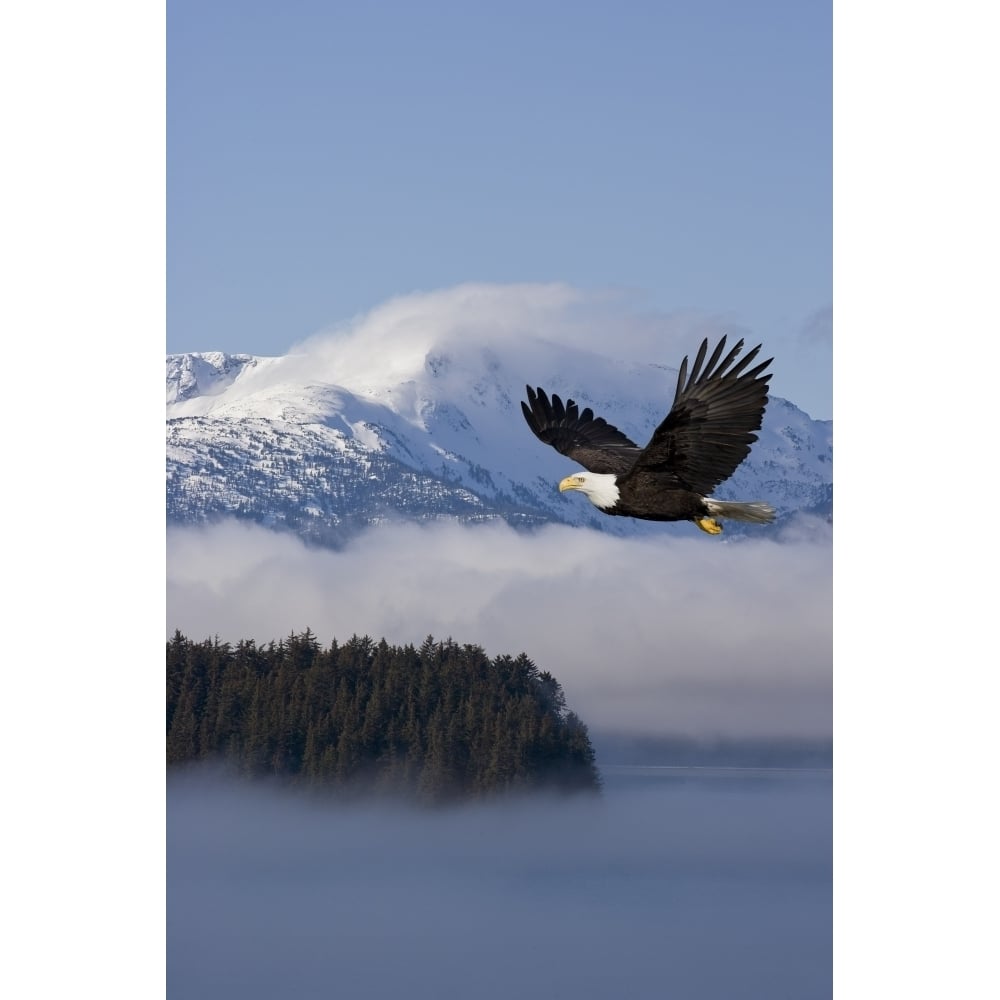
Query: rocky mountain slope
360,430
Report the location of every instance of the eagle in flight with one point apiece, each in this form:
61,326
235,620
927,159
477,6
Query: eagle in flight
698,445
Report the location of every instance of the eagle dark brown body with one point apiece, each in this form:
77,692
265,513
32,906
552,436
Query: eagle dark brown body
699,444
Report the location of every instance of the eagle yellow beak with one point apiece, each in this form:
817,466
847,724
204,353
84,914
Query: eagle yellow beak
569,483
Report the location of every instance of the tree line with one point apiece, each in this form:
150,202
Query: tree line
439,723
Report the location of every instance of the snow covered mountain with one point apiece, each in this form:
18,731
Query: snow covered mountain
388,422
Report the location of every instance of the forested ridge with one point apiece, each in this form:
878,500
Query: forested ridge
440,722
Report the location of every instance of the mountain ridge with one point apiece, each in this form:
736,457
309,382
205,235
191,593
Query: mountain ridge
329,440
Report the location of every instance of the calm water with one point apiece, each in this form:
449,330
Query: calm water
680,883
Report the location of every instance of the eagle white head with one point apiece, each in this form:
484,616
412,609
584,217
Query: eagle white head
600,488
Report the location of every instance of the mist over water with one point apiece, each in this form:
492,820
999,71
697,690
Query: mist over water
690,889
694,888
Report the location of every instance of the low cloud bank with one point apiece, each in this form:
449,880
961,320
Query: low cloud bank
664,636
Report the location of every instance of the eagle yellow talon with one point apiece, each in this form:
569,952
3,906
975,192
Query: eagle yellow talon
709,524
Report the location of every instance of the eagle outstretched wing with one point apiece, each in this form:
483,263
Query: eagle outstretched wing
589,440
709,429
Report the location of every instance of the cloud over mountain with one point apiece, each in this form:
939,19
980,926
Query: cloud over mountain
412,412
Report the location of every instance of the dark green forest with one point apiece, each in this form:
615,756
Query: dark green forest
438,723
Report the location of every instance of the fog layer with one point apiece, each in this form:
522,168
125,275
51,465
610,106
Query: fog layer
710,890
695,636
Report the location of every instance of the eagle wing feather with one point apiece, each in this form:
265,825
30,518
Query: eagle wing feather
709,429
597,445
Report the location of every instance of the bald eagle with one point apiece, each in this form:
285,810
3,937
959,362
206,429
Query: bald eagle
699,445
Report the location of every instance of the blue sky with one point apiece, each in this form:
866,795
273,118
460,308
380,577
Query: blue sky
324,157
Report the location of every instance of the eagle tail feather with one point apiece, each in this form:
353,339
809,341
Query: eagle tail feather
755,511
